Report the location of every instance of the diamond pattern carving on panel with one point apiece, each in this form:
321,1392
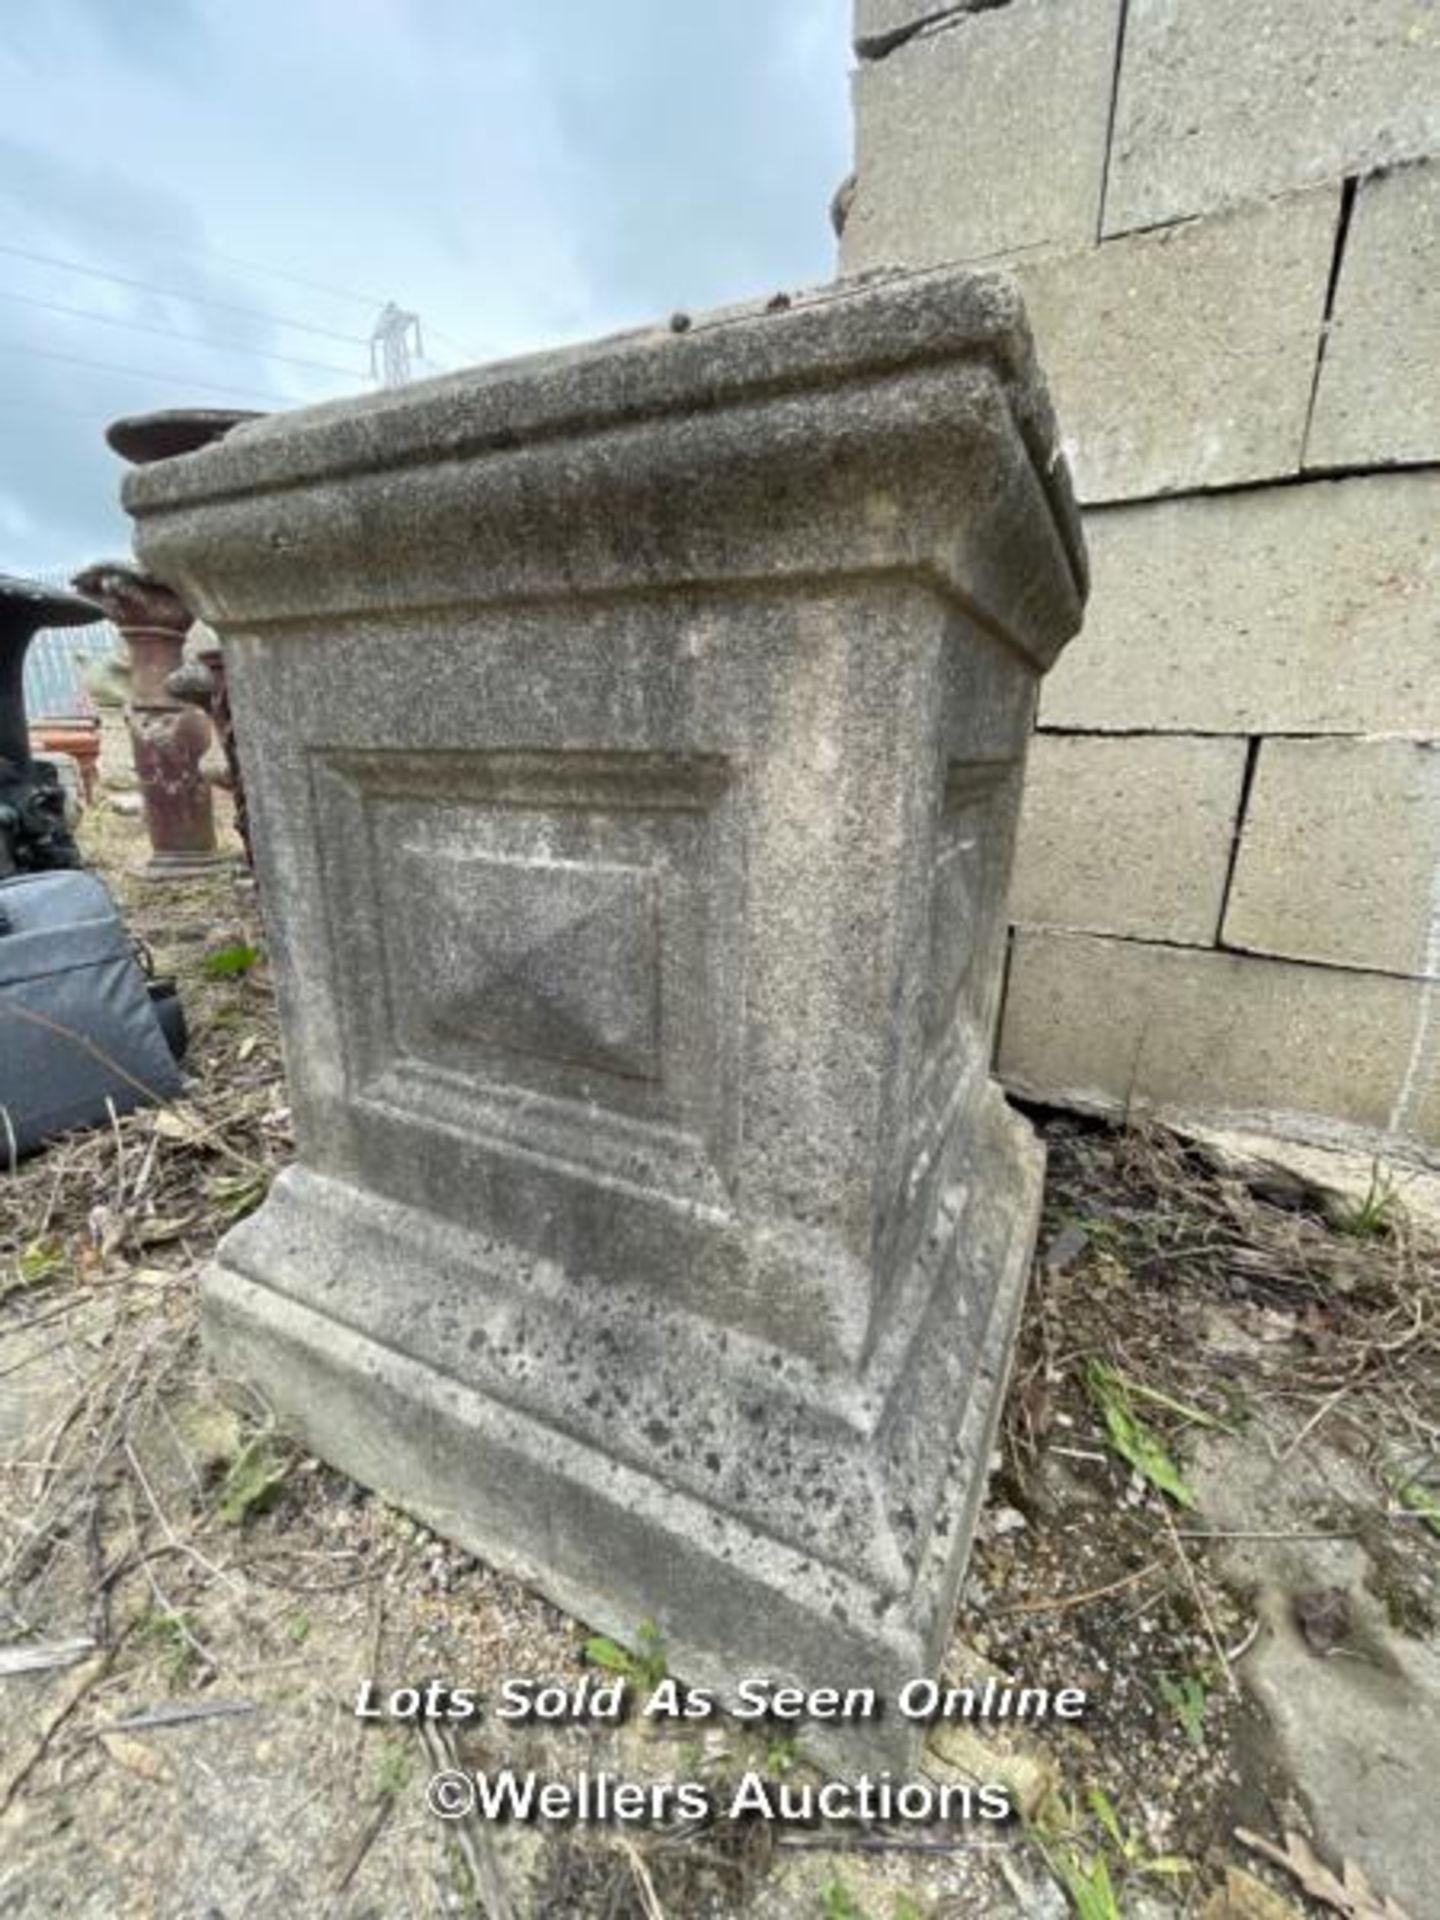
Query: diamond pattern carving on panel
551,958
535,948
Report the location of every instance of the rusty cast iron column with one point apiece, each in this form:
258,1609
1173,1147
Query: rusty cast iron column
200,680
166,736
33,834
142,438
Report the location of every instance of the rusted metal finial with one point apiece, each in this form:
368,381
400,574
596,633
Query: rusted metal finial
170,683
167,738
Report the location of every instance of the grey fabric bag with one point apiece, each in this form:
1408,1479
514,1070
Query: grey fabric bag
77,1026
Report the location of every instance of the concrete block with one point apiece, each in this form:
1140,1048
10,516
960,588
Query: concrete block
1127,835
1378,398
1228,100
1114,1026
982,136
1339,860
1186,358
636,788
1301,609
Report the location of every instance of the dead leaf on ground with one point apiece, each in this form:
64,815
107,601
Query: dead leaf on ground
212,1433
1065,1249
155,1233
1029,1772
134,1755
1323,1615
1350,1895
1243,1897
150,1276
31,1658
1036,1402
1270,1324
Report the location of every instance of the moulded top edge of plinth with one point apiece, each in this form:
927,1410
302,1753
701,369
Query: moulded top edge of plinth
847,334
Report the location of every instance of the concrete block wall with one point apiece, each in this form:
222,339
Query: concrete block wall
1225,217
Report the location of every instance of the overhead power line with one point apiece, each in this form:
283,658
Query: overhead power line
371,300
207,253
251,266
178,293
175,333
468,354
93,414
143,373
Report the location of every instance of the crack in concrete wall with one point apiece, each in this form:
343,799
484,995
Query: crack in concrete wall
1348,195
1237,832
1120,26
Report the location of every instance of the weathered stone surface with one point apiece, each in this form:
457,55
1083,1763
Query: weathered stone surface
1127,835
1378,398
1118,1026
983,136
1186,358
635,737
1239,99
1340,857
1304,609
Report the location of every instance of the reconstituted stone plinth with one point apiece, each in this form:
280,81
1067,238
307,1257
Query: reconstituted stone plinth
634,737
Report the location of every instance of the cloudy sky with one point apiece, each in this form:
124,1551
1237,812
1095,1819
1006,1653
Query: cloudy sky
260,178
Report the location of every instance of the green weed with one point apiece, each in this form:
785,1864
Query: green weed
1188,1697
1135,1442
837,1902
645,1663
227,962
253,1479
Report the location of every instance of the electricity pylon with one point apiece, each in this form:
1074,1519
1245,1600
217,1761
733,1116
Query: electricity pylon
394,339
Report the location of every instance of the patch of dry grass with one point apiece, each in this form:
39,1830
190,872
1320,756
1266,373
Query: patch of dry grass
101,1235
1145,1233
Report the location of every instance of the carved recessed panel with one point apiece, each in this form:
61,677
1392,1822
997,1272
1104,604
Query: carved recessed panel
968,875
553,958
967,886
544,945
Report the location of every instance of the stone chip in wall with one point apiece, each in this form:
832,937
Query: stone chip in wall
881,25
1378,398
1339,861
1228,100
